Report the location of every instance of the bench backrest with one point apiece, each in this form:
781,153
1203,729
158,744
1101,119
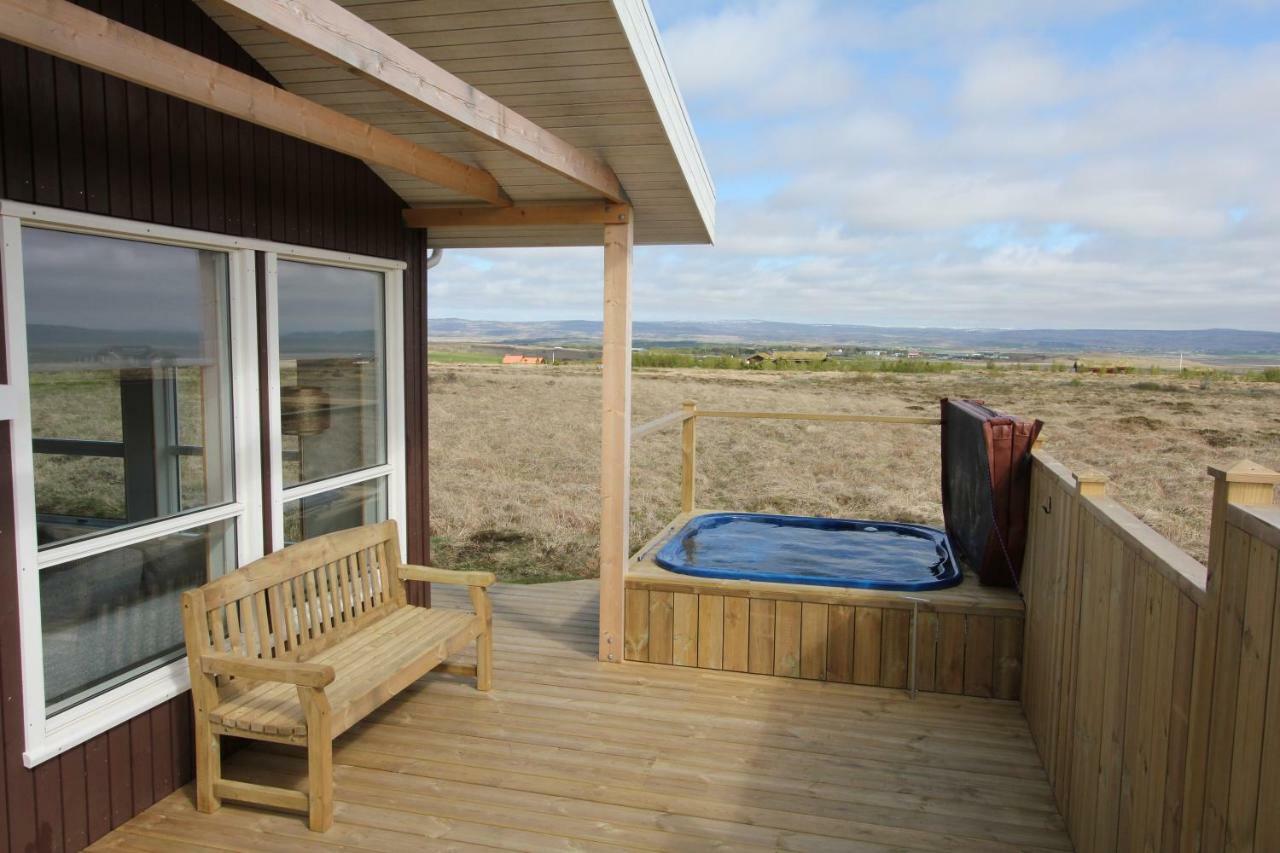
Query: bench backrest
295,602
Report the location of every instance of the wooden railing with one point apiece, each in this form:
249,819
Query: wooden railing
1152,685
689,414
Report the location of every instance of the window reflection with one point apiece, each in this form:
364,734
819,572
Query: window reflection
332,371
117,615
129,378
339,509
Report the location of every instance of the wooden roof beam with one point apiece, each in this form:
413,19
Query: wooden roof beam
583,213
78,35
325,28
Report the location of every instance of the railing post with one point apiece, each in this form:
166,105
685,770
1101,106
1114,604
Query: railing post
1089,484
1244,483
688,455
1247,484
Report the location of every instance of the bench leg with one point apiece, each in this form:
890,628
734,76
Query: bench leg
208,767
319,758
484,661
484,642
320,782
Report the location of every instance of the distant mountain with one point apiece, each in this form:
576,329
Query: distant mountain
54,343
1220,342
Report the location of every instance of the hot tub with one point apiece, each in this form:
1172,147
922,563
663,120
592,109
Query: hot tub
814,551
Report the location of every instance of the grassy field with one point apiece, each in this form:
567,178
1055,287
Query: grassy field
445,357
514,453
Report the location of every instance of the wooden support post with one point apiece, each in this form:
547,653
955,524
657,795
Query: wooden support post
1247,484
688,455
615,440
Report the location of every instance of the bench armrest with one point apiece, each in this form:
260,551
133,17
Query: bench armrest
433,575
256,669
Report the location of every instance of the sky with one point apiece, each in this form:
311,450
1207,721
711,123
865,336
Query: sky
973,163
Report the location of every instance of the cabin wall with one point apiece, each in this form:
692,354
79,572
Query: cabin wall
77,139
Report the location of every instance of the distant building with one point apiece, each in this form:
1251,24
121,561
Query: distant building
799,357
523,359
787,357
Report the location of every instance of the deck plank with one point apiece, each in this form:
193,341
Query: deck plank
568,753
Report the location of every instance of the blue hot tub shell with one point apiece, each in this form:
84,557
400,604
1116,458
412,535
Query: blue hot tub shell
816,551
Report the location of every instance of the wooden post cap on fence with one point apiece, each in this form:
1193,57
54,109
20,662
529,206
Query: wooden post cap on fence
689,405
1245,471
1245,482
1091,484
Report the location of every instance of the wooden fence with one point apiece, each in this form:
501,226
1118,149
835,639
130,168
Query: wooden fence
1152,686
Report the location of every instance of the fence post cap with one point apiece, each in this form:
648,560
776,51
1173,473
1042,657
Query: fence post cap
1244,471
1091,482
688,404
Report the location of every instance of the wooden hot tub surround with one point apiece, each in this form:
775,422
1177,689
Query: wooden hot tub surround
963,640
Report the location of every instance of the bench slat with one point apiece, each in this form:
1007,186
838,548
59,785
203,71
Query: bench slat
279,627
260,620
236,636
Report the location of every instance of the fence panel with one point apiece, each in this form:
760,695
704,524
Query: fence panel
1153,692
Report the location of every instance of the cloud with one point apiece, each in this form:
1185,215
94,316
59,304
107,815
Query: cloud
782,56
998,162
1012,77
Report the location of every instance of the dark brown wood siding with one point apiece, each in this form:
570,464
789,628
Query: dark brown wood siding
77,139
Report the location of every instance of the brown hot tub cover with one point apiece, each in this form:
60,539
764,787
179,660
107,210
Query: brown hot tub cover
986,487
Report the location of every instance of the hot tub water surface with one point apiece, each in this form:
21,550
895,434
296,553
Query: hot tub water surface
816,551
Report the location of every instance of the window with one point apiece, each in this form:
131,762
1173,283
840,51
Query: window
129,381
129,372
133,356
338,365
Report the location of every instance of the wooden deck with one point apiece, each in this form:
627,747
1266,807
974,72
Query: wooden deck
570,754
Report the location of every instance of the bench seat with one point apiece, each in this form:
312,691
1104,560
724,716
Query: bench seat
378,661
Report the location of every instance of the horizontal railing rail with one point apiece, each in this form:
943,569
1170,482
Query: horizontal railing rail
822,416
658,424
97,448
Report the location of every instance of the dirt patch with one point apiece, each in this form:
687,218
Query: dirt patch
1141,422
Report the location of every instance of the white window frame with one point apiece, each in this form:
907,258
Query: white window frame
48,736
392,471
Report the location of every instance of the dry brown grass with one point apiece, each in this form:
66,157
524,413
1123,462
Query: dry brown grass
514,451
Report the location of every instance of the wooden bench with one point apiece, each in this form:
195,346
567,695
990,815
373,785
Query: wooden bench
300,645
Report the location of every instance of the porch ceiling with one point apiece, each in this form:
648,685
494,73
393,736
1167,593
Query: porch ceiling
591,72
